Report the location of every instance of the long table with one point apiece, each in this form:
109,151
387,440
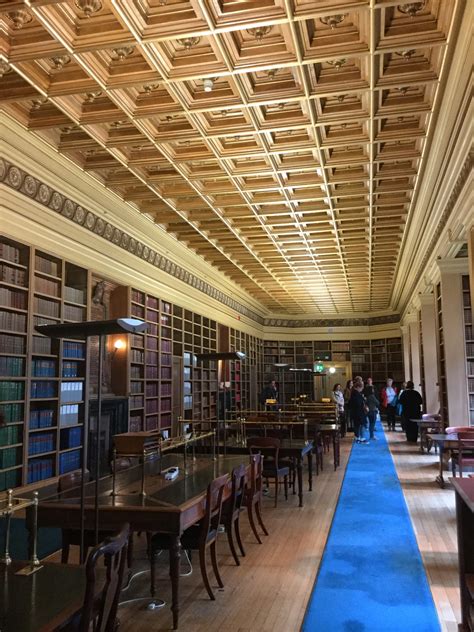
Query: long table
444,442
169,507
40,602
465,525
289,448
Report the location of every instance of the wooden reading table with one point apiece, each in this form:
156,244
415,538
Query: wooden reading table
169,507
445,442
464,488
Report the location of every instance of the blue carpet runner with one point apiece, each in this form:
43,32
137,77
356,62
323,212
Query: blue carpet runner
371,577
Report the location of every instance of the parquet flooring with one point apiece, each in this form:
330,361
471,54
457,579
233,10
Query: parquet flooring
271,588
433,515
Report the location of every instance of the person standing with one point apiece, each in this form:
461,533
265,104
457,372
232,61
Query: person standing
373,406
338,398
389,402
358,411
411,402
270,391
347,396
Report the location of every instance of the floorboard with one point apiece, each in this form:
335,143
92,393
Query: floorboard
271,588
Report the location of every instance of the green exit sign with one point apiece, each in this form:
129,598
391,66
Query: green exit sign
319,368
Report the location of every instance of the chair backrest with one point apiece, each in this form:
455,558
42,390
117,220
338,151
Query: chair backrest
458,429
255,474
466,440
429,416
213,508
99,611
238,475
271,445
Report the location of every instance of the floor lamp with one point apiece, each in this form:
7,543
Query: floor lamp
281,366
83,331
224,356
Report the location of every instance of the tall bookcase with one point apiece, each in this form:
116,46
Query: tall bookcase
245,374
469,341
443,388
42,395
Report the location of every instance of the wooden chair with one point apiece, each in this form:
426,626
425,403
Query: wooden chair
253,495
99,611
198,537
425,440
72,537
232,509
464,455
271,466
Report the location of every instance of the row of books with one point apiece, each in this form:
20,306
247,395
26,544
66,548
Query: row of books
152,406
39,469
12,298
40,443
71,438
137,311
151,389
136,423
14,276
74,295
69,461
165,388
47,266
47,286
9,253
136,387
11,390
12,367
71,392
9,457
137,356
11,413
45,307
136,372
12,321
152,358
69,415
10,435
10,479
151,372
42,418
136,401
166,359
70,369
42,345
73,350
40,390
74,313
12,344
43,368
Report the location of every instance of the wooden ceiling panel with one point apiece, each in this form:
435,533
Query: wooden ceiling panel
281,141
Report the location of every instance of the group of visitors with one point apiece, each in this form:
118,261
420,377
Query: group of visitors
359,406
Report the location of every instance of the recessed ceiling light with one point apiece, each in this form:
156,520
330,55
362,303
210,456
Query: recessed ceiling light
208,84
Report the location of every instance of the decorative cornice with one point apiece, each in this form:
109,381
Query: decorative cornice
448,209
26,184
332,322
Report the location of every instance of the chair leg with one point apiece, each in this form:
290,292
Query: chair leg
215,567
152,574
237,535
285,484
205,579
252,522
64,553
277,489
230,539
130,551
259,518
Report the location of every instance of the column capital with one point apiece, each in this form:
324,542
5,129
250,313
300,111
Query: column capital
405,329
453,266
426,299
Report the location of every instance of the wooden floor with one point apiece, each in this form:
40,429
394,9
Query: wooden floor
271,588
433,515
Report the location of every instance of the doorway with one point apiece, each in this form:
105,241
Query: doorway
324,383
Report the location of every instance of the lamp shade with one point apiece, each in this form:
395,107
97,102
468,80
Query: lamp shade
93,328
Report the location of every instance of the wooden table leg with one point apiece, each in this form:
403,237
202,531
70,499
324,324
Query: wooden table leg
423,433
310,470
175,564
439,478
335,450
299,471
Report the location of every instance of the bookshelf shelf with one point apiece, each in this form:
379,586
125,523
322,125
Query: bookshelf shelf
50,287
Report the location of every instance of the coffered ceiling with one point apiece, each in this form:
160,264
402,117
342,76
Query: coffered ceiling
279,139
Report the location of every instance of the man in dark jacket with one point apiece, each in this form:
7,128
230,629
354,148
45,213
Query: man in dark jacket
270,391
411,401
358,411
